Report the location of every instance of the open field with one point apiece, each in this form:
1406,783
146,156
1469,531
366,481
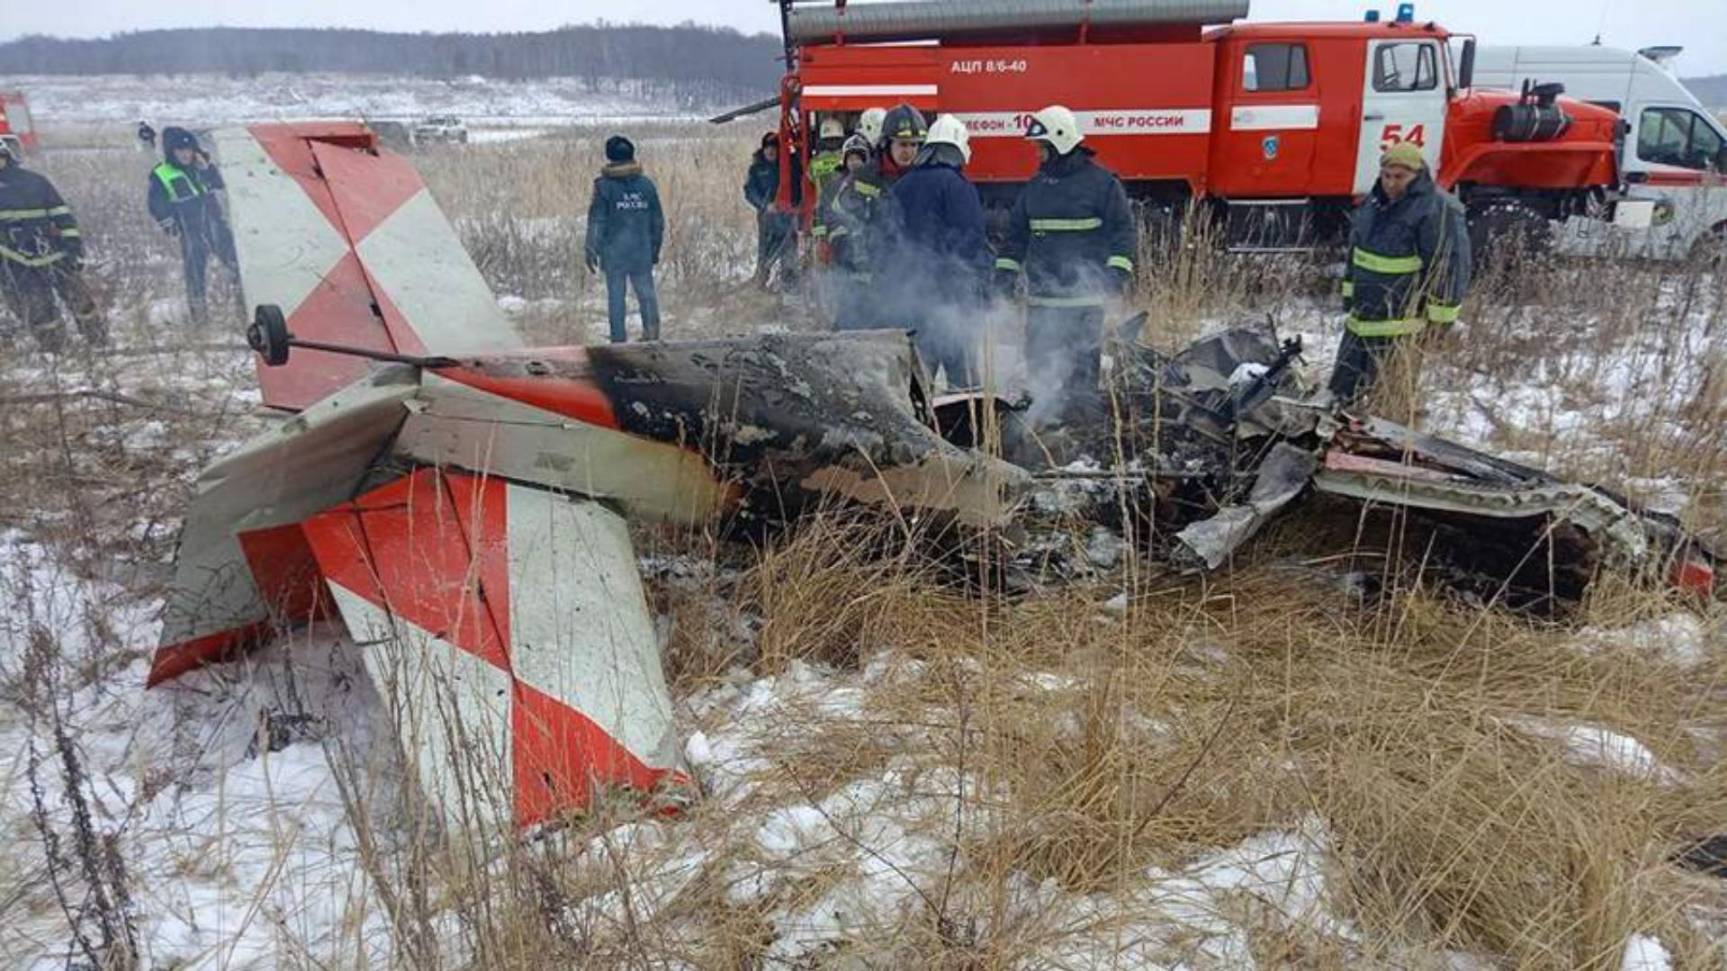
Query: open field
1319,758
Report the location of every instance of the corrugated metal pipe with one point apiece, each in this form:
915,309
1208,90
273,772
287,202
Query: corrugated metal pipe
921,19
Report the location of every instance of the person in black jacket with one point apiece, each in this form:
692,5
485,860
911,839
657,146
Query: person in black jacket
774,239
1072,234
939,258
182,199
41,252
1408,269
626,228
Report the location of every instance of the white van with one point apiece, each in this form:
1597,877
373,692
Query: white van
1675,152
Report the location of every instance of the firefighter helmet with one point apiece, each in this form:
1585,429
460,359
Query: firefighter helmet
1057,127
949,130
831,128
904,123
857,144
869,123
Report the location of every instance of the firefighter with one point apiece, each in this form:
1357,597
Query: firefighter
860,204
825,164
940,251
1408,268
849,271
182,199
869,125
625,231
1071,233
774,239
41,252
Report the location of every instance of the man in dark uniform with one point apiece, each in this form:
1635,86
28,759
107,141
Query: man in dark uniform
940,253
626,228
1408,268
845,212
1072,234
41,252
182,200
774,237
860,205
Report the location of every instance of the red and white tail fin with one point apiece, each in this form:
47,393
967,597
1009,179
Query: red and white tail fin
507,629
346,239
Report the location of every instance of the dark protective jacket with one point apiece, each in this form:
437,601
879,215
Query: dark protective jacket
1069,227
1408,261
625,224
36,225
849,216
182,201
934,228
761,182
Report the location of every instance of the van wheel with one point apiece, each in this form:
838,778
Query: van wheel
1507,233
1710,249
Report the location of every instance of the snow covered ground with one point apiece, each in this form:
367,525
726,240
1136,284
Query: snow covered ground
206,100
240,848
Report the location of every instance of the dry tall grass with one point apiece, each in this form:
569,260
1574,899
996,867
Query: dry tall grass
1082,748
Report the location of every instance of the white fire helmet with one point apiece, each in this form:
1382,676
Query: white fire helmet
1056,126
949,130
831,128
870,123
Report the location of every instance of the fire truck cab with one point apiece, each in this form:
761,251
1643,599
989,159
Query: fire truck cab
1277,126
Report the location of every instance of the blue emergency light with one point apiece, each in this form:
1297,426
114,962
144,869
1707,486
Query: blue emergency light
1406,13
1373,16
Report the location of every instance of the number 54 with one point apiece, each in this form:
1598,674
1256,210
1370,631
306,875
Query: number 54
1393,134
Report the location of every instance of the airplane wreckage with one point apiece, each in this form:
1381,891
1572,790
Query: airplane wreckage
459,501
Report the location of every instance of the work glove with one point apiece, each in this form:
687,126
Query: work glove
1006,282
592,260
169,226
1118,280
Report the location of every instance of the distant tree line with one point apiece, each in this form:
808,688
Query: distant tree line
1711,90
686,54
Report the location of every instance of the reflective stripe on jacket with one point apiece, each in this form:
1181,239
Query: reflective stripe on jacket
36,226
1069,227
1408,261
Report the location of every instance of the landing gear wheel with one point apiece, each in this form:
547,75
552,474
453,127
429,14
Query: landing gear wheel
268,334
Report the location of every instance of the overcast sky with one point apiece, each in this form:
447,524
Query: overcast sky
1700,25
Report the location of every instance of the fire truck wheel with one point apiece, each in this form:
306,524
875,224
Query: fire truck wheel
1507,232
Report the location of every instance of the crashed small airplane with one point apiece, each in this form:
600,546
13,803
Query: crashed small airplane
458,501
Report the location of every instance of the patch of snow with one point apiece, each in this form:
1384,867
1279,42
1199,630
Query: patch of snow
1596,745
1679,638
1645,953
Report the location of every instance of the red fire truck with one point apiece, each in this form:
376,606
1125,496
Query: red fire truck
1278,126
15,125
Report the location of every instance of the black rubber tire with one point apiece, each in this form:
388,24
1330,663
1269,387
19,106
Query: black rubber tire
268,334
1507,232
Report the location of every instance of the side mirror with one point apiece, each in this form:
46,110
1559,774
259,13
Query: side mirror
268,334
1721,160
1466,65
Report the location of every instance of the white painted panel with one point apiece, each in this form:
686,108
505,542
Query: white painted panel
285,244
451,711
415,257
579,624
1274,117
